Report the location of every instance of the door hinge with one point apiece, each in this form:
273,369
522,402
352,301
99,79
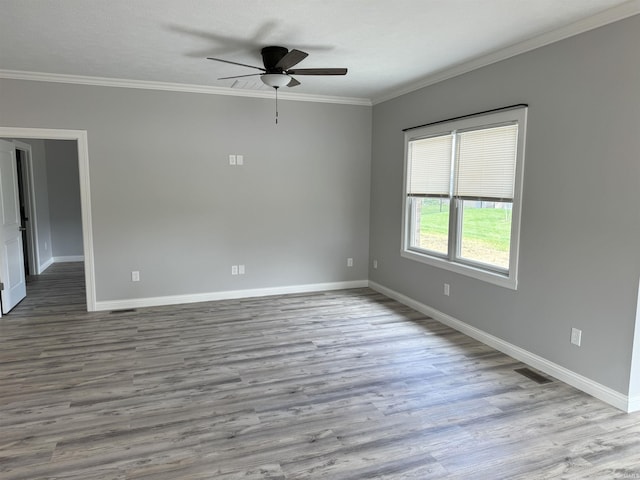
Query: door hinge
1,286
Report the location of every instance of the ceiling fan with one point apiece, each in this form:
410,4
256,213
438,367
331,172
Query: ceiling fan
277,70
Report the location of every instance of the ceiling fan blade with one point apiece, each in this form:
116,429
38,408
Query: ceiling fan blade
290,59
235,63
293,83
240,76
317,71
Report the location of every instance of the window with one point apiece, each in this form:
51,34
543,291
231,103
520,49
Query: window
463,182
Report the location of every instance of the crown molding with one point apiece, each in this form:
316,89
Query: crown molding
601,19
174,87
620,12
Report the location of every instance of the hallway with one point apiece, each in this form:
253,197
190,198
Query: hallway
59,289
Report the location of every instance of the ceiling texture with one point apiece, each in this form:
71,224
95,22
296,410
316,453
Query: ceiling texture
390,47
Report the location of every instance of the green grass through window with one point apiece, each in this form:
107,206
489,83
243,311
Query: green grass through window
491,226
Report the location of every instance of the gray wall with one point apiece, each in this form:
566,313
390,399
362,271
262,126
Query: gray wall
166,202
579,261
63,185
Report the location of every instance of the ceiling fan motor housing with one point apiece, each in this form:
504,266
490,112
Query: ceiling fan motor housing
271,56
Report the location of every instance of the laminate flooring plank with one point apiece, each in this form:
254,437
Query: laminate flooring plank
344,384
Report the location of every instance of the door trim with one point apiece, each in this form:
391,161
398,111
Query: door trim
30,198
80,136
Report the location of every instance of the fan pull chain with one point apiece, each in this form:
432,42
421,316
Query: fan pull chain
276,89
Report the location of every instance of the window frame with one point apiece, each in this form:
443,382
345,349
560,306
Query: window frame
451,262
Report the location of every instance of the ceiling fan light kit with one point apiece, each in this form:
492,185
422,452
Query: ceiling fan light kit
277,68
275,80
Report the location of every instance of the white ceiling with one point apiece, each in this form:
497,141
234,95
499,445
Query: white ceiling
388,46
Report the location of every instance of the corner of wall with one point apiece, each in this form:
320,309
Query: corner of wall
43,266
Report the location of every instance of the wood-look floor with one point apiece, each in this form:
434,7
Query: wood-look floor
336,385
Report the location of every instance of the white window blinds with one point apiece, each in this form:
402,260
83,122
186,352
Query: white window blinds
486,163
429,168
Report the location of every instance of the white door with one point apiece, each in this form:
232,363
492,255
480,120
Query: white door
11,252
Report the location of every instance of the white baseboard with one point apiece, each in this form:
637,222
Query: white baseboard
52,260
570,377
606,394
225,295
633,404
69,258
45,265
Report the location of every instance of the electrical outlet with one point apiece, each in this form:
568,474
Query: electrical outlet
240,269
349,262
234,269
576,336
447,289
239,159
375,263
232,159
135,276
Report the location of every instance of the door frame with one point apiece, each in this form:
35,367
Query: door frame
32,225
80,136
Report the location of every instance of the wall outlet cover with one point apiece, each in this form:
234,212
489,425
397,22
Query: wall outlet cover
576,336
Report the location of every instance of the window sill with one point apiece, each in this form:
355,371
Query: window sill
502,280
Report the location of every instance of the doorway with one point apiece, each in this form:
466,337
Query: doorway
80,137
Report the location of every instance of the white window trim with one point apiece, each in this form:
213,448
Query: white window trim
509,279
